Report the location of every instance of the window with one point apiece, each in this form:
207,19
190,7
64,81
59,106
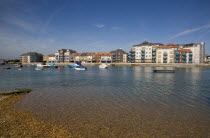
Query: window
159,56
159,52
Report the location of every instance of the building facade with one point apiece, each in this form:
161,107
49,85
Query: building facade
198,51
31,57
117,55
104,57
143,53
63,55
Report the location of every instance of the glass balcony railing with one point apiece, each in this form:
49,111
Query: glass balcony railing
131,51
143,51
190,54
177,54
165,57
183,54
183,57
153,54
153,50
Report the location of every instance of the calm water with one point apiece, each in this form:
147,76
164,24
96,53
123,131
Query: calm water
117,102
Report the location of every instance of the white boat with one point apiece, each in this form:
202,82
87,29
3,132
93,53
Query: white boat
103,66
80,68
39,67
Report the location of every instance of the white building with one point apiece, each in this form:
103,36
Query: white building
198,51
63,55
145,52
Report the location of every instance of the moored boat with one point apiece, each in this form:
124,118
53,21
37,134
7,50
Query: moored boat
80,68
103,66
6,68
19,65
74,65
164,71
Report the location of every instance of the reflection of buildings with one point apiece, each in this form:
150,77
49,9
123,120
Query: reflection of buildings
31,57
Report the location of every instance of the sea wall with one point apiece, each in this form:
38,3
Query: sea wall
135,64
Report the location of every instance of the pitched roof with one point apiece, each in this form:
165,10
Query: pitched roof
145,43
185,50
51,55
168,46
118,50
75,54
104,54
31,54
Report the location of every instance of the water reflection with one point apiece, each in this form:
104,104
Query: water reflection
108,102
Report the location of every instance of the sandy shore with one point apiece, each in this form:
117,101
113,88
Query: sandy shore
16,123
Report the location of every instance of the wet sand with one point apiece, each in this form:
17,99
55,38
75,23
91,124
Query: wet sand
17,123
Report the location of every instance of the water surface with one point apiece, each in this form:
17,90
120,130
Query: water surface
117,102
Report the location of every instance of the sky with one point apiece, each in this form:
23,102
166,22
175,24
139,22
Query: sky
45,26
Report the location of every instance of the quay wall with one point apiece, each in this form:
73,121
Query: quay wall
135,64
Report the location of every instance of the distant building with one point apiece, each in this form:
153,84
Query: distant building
198,51
104,57
117,55
143,53
75,57
63,55
31,57
125,58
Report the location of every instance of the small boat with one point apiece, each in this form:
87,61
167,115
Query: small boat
19,65
80,68
39,68
6,68
50,65
164,71
103,66
75,65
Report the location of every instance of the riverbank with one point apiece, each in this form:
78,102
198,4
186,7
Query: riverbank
16,123
136,64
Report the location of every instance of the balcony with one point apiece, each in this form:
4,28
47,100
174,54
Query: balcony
153,57
183,61
183,57
165,57
142,54
154,54
142,61
153,50
142,57
190,54
143,51
177,54
190,58
153,61
177,61
165,54
183,54
131,51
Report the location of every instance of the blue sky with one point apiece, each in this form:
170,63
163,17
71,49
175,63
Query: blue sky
99,25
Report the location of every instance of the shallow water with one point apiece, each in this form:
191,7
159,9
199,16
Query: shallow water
117,102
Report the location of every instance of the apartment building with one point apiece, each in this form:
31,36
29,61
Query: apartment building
63,55
117,55
31,57
144,52
198,51
168,54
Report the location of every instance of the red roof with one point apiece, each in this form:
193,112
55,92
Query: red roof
51,55
104,54
185,50
170,44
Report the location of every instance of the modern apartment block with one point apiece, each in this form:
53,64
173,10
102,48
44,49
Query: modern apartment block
143,53
63,55
168,54
117,55
198,51
31,57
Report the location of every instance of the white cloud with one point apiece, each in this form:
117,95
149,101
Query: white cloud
99,25
191,31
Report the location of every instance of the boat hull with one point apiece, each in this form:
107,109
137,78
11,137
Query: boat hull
164,71
6,68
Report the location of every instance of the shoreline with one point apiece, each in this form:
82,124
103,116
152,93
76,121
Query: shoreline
18,123
137,64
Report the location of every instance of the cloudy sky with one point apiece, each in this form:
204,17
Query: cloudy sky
99,25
